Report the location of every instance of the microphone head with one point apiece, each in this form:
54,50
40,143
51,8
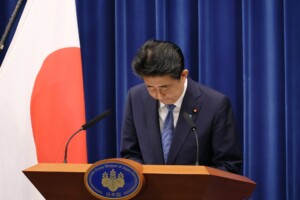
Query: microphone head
96,119
189,120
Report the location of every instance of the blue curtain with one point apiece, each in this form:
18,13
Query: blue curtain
247,49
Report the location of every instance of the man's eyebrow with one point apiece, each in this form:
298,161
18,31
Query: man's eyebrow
158,86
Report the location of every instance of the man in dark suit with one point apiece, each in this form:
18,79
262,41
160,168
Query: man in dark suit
161,66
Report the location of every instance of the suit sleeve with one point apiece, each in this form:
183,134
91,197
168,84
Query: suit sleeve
227,154
130,148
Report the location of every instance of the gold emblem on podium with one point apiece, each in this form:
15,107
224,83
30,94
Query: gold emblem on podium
115,178
113,182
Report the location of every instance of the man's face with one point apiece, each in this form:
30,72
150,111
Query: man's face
164,88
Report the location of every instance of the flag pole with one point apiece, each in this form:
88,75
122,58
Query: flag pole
10,23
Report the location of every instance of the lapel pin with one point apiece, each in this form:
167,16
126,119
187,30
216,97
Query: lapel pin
195,110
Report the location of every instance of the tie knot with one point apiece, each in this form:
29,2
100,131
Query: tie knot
170,107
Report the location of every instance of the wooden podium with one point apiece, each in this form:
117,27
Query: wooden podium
66,182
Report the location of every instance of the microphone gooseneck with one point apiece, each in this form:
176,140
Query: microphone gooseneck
189,120
67,144
84,127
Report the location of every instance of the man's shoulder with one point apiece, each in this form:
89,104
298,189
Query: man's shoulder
204,89
138,87
138,90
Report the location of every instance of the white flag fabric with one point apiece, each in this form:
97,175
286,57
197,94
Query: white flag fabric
41,95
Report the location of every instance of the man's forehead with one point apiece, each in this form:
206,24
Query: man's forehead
158,81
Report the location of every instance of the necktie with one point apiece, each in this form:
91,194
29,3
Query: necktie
168,131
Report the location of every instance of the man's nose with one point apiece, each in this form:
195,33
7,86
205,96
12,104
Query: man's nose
158,94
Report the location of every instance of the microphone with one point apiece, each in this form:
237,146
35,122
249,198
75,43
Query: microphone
84,127
189,120
96,119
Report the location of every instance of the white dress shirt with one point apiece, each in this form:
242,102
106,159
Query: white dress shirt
163,110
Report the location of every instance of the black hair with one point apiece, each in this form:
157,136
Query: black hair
158,58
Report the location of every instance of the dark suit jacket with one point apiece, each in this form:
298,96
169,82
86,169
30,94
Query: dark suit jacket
211,112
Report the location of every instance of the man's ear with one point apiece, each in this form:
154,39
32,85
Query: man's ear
185,73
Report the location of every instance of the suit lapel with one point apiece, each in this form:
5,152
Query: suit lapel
153,131
191,104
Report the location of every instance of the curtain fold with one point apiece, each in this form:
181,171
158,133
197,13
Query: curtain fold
292,97
96,30
267,85
248,49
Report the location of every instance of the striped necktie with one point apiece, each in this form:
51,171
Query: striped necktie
168,131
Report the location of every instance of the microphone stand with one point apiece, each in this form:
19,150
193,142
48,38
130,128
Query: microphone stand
66,147
189,120
197,143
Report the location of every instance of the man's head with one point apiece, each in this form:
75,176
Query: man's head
161,65
158,58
